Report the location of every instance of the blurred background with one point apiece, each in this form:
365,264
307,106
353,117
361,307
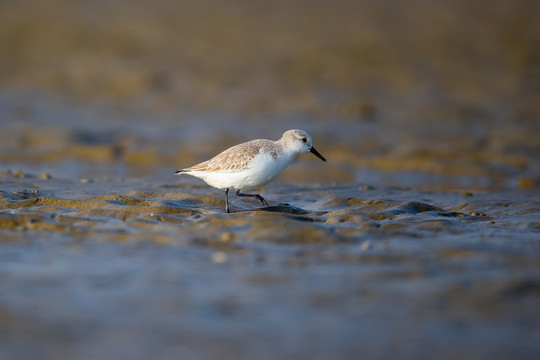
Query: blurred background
445,93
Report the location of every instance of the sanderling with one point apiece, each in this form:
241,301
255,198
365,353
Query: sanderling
252,164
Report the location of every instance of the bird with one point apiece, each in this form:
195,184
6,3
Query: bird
252,164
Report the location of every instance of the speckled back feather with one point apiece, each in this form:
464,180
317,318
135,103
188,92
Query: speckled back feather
237,157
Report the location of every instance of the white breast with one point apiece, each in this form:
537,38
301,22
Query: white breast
260,171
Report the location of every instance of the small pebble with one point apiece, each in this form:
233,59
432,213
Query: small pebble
366,245
476,213
19,174
226,237
219,257
45,176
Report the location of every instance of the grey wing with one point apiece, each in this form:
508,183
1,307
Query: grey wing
233,159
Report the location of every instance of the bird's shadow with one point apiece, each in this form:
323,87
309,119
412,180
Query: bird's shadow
281,208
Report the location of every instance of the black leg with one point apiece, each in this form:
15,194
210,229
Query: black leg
227,201
261,199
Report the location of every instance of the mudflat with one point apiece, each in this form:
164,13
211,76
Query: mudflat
418,238
134,268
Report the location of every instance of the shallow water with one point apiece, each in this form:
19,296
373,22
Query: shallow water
419,238
153,267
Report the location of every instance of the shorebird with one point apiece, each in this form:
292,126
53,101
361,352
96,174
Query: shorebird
252,164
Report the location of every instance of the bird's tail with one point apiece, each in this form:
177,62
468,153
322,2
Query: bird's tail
178,172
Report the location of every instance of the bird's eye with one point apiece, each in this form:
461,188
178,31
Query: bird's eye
304,139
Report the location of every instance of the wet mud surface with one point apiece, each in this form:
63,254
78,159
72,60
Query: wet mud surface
418,239
153,268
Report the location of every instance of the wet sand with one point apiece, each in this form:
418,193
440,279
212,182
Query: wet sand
419,238
154,268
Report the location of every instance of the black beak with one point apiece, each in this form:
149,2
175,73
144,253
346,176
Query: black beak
316,153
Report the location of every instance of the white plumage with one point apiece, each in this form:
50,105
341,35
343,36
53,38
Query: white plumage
252,164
